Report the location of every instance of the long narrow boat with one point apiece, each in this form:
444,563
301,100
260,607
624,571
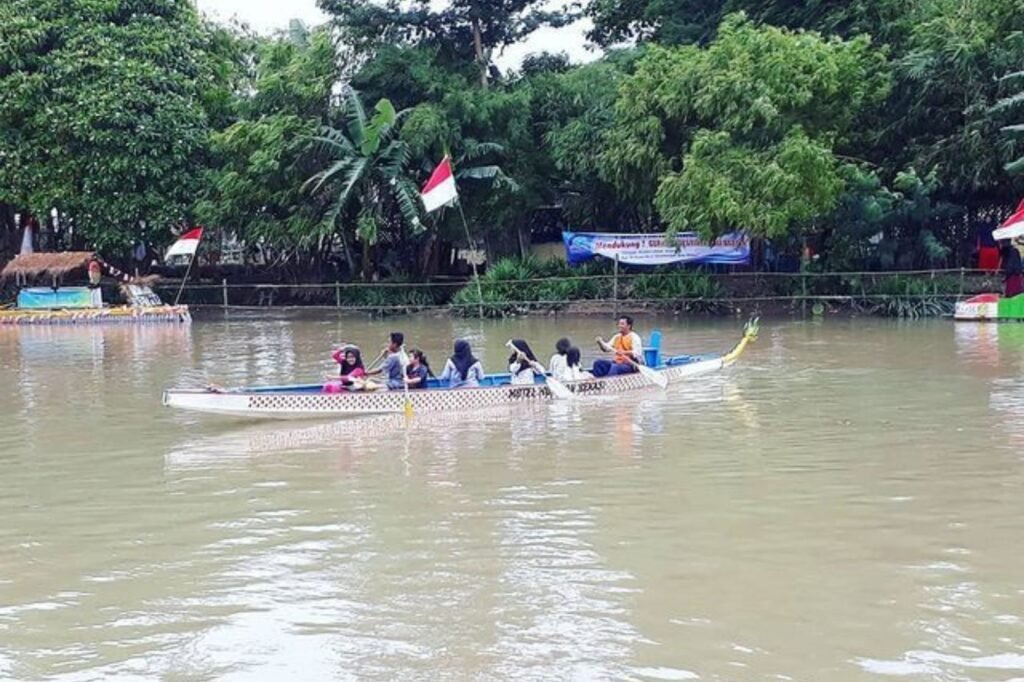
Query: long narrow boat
308,401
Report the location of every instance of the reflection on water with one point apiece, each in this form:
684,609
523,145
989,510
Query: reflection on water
844,504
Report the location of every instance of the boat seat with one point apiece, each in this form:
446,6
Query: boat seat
652,351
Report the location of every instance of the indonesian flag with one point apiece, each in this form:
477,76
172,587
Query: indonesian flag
440,188
1012,226
186,244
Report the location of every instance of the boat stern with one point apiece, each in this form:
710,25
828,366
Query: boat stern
211,402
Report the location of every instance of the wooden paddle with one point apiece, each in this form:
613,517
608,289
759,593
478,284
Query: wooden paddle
657,378
377,359
558,389
404,361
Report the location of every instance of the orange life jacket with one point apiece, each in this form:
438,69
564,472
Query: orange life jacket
624,344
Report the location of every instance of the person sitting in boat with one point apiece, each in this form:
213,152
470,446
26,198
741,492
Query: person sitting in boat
418,371
574,368
522,364
1011,265
462,369
351,371
628,349
557,364
391,368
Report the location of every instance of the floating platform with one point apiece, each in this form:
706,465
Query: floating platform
177,314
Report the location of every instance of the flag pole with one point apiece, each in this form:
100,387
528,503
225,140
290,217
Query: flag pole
472,261
185,279
188,269
469,243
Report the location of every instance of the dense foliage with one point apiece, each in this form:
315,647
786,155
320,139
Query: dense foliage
884,132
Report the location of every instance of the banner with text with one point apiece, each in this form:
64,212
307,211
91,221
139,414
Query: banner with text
653,249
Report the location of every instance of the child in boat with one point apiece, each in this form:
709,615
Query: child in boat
522,364
574,370
557,364
462,369
391,368
351,371
418,370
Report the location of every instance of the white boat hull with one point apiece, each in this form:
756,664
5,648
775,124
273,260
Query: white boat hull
312,405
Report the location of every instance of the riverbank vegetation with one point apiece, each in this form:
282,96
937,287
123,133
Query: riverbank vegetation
881,134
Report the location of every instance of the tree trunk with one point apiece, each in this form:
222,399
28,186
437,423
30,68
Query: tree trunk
347,248
524,238
46,242
428,261
9,237
367,261
479,49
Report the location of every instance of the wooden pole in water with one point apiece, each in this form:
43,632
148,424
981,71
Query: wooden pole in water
224,289
337,294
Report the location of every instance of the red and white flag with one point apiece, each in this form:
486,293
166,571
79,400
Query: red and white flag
440,188
1013,226
186,244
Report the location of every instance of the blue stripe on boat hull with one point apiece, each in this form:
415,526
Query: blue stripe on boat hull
488,381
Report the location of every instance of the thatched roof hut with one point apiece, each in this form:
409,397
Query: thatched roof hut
52,264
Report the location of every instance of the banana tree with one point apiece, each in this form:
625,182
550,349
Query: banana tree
368,175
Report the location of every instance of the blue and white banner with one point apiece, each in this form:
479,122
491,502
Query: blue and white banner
653,249
45,298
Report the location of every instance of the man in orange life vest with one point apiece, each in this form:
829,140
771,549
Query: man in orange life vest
626,345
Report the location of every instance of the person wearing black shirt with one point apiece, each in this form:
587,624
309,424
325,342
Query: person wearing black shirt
418,370
1011,265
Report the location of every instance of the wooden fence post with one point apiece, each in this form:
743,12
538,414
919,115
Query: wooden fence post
224,289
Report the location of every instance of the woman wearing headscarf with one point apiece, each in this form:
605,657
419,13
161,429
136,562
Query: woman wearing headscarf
462,369
522,364
350,372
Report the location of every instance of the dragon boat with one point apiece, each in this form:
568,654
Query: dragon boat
308,401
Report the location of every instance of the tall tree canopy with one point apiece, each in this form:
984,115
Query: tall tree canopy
254,188
105,110
463,30
742,133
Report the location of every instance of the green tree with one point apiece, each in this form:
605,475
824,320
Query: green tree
574,111
464,31
743,133
368,176
947,82
103,112
254,190
684,22
1011,106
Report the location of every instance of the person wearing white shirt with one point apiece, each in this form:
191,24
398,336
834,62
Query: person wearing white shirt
522,364
558,365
